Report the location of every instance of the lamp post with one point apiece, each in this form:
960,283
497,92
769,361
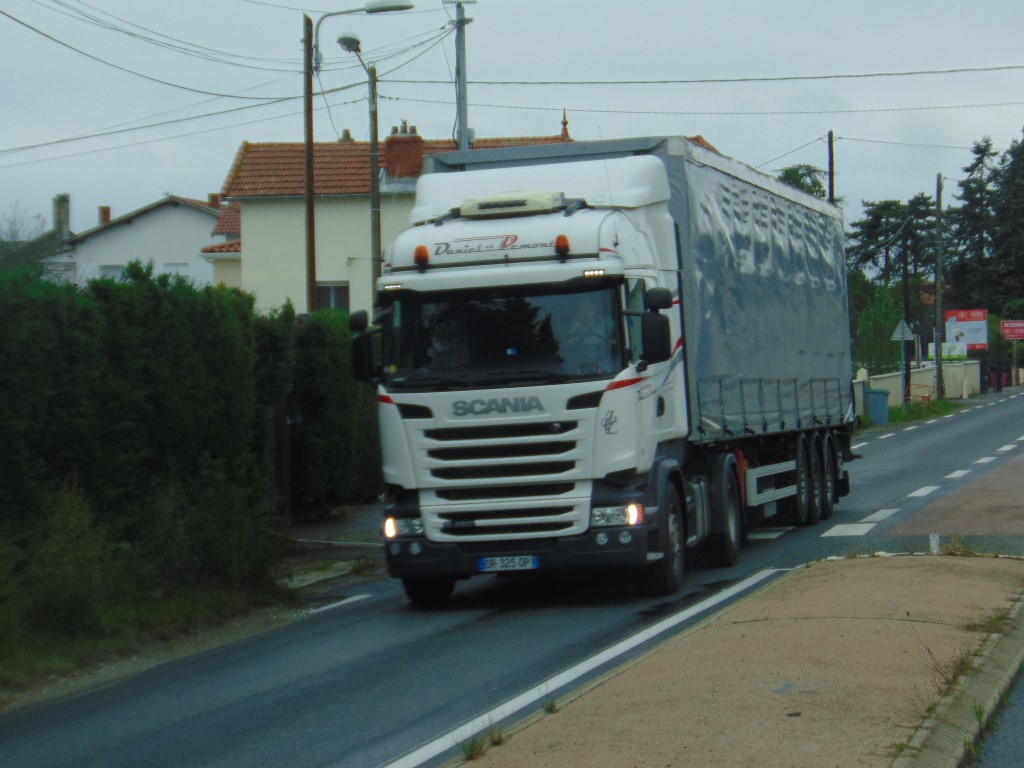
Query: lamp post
350,43
311,65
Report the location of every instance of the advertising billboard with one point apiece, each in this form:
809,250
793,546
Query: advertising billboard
967,326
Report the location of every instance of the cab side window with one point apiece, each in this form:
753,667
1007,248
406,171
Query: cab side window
633,301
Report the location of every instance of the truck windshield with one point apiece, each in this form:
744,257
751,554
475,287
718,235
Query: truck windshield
465,339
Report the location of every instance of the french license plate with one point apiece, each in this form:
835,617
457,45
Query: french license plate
513,563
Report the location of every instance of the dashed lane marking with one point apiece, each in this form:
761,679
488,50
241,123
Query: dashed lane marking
861,445
883,437
848,529
985,460
908,429
1005,448
766,534
346,601
924,491
880,515
958,474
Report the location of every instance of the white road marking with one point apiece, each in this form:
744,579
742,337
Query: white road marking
958,474
848,529
880,515
861,445
924,491
346,601
458,735
1020,439
986,460
882,437
765,534
978,407
931,421
951,415
908,429
1005,448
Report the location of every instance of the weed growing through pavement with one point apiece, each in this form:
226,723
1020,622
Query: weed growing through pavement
979,714
496,736
551,706
474,748
992,625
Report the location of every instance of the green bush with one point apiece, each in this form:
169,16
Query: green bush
334,444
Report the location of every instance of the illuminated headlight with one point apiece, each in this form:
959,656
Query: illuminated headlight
403,526
631,514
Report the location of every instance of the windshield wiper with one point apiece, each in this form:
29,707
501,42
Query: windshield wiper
428,379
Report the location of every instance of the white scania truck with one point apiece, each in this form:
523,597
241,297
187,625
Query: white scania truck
601,355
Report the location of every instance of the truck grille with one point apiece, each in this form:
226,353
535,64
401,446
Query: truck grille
509,481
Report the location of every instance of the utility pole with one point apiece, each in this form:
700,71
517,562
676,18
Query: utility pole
831,167
940,319
307,98
461,99
906,319
371,71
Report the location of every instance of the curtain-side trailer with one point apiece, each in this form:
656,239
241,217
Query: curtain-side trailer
605,355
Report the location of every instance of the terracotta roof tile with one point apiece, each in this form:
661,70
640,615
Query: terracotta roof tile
231,246
230,220
341,168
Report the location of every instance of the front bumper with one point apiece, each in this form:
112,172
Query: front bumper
623,547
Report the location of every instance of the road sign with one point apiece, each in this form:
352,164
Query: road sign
1012,330
903,332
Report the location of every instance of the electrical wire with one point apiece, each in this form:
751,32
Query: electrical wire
733,113
727,80
792,151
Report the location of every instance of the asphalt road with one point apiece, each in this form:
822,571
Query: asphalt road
367,682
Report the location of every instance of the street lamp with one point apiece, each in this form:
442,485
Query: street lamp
311,64
350,43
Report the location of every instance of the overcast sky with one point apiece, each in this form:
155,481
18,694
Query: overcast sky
74,68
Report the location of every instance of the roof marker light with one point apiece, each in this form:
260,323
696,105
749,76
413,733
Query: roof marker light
562,247
421,258
593,273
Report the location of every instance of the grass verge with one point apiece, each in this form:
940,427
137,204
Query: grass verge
33,659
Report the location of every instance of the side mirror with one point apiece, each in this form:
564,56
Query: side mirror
362,357
358,321
657,298
657,338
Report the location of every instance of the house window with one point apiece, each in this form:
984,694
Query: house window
332,296
111,271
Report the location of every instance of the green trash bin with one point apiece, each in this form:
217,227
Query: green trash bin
877,406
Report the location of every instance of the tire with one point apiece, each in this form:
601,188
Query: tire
795,508
428,592
665,577
829,480
814,482
725,500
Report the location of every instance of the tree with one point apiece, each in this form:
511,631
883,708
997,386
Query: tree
874,238
17,229
809,178
972,229
1008,272
873,347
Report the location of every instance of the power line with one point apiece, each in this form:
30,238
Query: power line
724,80
732,113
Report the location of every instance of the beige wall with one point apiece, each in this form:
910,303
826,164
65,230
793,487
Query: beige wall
227,272
274,249
954,378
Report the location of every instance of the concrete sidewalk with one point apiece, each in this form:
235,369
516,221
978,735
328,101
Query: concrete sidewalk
841,663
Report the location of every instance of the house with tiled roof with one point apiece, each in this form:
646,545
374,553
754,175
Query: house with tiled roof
169,233
267,182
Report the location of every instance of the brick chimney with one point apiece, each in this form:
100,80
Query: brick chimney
104,214
213,200
62,216
403,152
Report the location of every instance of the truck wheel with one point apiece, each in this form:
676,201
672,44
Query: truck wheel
829,497
795,508
428,592
666,576
814,482
725,501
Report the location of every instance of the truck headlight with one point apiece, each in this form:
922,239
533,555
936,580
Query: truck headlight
630,514
403,526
